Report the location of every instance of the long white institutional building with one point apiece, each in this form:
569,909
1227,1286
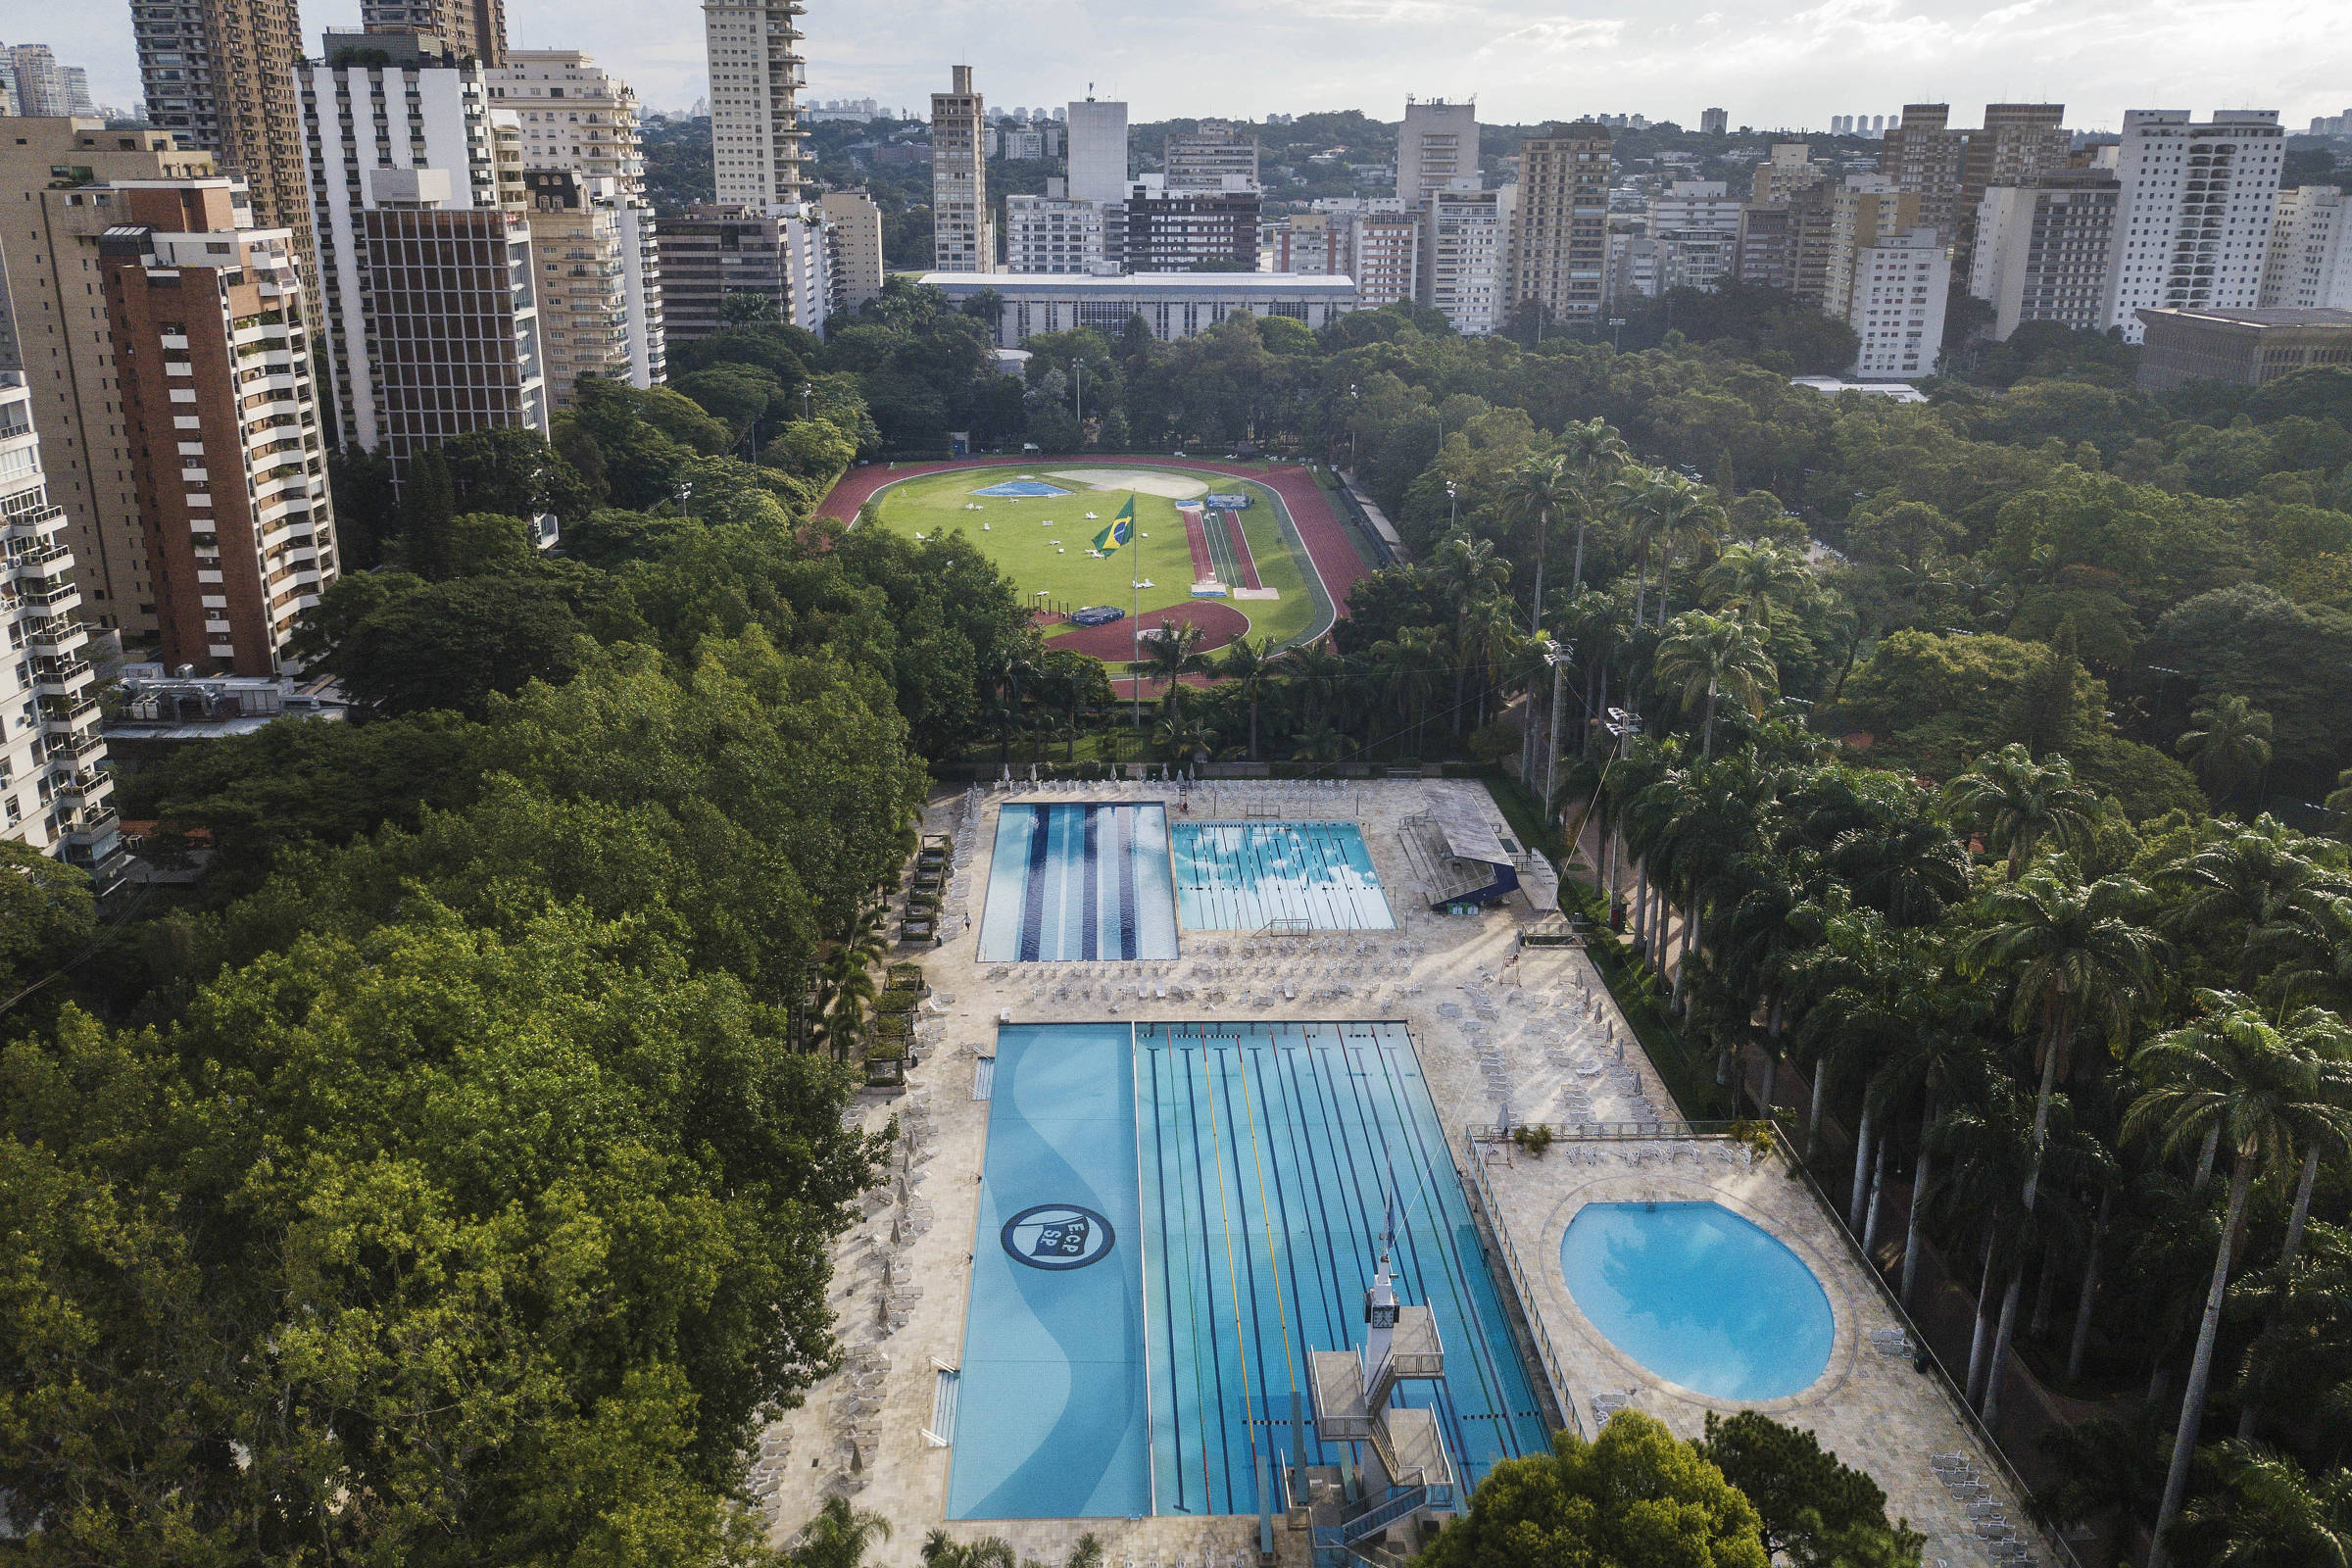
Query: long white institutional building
1174,305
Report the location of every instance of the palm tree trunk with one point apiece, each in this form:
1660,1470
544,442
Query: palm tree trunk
1665,577
1821,1086
1681,968
1982,1330
2091,1289
2045,1289
1772,1056
1993,1372
1919,1190
1706,747
2295,1219
1877,1186
1576,576
2200,1366
1253,726
2041,1102
1860,1193
2213,1145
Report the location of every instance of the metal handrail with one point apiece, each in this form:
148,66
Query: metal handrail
1554,1374
1659,1127
1919,1341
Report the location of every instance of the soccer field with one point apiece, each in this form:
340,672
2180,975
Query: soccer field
1041,541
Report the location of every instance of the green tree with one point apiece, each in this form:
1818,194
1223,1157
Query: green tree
2229,745
1751,580
839,1536
1707,655
2017,803
46,915
1813,1511
1636,1496
2267,1514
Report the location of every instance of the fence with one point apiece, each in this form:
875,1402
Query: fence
1562,1396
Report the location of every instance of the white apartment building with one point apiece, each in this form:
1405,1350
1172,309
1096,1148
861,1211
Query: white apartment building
854,230
2310,262
1052,233
1895,303
962,228
1462,243
1436,148
2043,251
1213,159
400,211
1385,241
1172,305
1695,207
1097,132
580,119
2193,223
53,794
757,75
1633,267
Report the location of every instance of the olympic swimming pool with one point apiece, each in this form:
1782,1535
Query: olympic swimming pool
1105,880
1171,1216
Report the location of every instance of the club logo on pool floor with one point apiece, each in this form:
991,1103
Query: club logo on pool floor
1058,1236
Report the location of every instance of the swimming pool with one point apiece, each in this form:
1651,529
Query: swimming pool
1238,876
1171,1216
1079,881
1700,1295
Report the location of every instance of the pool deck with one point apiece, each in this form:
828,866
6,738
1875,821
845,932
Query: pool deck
1487,1031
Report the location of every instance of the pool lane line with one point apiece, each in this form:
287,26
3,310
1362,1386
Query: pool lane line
1143,1264
1281,1312
1255,1328
1232,1278
1210,1286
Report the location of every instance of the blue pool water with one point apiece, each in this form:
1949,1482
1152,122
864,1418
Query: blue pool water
1171,1216
1699,1295
1236,877
1079,881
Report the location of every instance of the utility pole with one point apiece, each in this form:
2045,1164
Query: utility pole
1559,661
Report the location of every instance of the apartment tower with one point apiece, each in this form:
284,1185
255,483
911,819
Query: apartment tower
757,74
1561,258
2310,262
963,239
1214,157
578,118
218,75
2194,219
1924,154
2044,250
431,318
585,327
215,349
1436,147
53,794
473,27
854,230
54,329
1098,152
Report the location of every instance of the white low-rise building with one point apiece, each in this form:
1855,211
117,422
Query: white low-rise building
1052,233
1173,305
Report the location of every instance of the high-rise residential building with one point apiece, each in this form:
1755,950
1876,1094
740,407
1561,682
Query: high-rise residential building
2193,222
579,252
1767,248
214,371
579,119
1214,157
39,85
1182,231
1924,154
219,76
711,251
54,327
2019,144
1317,244
1789,169
77,91
475,27
53,794
1052,233
2044,250
1436,148
1895,287
1714,121
1694,224
1386,240
2310,262
430,314
1560,261
963,236
1097,132
854,229
1462,241
1865,211
757,75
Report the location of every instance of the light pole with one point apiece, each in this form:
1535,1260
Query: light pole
1454,505
1135,651
1617,334
1559,660
685,495
2163,674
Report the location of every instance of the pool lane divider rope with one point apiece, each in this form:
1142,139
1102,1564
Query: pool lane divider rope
1142,1256
1232,1279
1282,1314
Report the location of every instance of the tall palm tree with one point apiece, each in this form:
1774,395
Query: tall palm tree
1249,666
2072,954
1321,673
1540,490
1170,656
2324,1036
2229,745
2016,802
1490,634
1318,743
2233,1075
1707,655
2245,884
1941,1062
1689,517
2269,1513
1596,453
1981,1148
1751,579
941,1550
838,1537
1473,573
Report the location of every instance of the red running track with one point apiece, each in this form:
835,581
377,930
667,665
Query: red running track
1219,624
1197,538
1327,544
1241,550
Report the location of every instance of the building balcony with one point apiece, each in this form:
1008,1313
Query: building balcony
61,677
55,637
63,715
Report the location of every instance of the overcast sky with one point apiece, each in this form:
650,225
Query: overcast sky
1522,59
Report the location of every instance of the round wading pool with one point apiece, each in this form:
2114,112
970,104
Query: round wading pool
1699,1295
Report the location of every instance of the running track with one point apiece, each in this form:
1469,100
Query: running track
1334,557
1196,541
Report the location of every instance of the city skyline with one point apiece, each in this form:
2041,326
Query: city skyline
1771,68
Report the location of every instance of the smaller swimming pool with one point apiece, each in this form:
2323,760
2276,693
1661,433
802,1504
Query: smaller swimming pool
1700,1295
1238,876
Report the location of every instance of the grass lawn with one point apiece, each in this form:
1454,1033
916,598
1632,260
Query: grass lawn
1014,532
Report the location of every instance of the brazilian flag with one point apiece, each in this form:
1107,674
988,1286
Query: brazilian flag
1120,530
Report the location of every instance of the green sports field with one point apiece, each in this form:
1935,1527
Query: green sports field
1041,542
